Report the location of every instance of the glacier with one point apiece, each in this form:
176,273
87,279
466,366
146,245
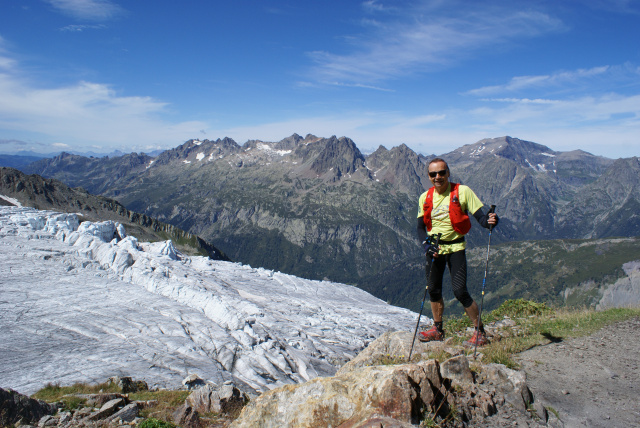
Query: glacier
82,301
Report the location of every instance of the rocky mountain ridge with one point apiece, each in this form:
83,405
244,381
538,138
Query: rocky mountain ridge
320,208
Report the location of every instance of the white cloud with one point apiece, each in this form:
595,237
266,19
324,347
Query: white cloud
373,6
570,113
95,10
6,62
81,28
557,79
84,114
425,38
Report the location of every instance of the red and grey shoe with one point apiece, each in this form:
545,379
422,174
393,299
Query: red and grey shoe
478,339
431,335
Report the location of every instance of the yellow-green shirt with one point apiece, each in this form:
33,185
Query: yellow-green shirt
440,221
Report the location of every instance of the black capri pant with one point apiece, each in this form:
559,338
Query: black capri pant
457,263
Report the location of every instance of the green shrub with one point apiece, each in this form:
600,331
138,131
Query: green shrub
155,423
518,308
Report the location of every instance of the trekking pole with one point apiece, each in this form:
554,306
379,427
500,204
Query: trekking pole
484,280
424,297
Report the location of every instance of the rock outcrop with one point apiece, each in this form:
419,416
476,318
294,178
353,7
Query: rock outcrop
399,394
225,401
15,407
625,292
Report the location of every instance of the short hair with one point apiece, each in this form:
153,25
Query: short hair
434,160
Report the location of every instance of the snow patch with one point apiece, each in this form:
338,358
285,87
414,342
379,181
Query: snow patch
200,156
477,151
270,150
11,200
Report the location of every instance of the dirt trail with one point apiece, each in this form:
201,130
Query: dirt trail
591,381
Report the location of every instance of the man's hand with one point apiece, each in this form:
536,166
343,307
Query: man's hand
492,219
430,247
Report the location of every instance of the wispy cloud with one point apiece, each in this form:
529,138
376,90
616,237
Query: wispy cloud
575,112
12,142
374,6
427,37
79,28
522,100
6,62
94,10
86,113
557,79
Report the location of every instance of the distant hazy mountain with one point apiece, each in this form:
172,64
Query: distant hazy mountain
18,161
317,207
23,158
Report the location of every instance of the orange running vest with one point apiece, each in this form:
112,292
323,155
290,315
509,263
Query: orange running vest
459,218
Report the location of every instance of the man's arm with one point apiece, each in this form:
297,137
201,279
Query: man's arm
421,229
486,220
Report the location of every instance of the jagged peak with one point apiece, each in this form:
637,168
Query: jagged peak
338,154
183,151
65,155
507,141
403,149
289,143
525,153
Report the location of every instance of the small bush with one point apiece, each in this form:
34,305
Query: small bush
518,308
155,423
457,324
167,402
72,403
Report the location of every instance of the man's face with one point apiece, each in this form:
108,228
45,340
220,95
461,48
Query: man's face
439,175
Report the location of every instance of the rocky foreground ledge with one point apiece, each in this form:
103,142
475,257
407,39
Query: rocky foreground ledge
455,393
376,389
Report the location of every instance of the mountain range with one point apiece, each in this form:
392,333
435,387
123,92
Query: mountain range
320,208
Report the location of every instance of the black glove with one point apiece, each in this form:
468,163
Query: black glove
431,246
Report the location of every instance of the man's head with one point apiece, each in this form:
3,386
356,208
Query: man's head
439,174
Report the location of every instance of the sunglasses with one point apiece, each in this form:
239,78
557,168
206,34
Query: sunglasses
433,174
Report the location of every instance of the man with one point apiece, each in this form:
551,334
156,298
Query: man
444,209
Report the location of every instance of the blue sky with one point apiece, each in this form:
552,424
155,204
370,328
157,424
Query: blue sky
140,75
